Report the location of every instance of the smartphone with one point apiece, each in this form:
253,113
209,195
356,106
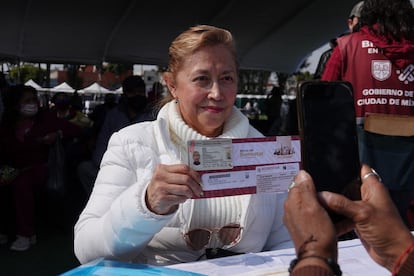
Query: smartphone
328,136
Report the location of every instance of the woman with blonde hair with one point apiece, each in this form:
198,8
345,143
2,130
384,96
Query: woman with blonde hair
145,205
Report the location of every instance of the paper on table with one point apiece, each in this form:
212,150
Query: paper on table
353,260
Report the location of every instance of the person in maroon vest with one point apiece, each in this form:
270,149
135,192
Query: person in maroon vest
378,61
353,26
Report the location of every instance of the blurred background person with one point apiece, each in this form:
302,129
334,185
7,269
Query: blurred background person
353,26
26,134
273,105
98,114
63,108
378,61
132,108
76,101
155,94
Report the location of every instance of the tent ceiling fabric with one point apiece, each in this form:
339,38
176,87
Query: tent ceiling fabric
271,35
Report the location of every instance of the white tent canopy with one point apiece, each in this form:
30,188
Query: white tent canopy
273,35
63,87
118,91
95,88
33,84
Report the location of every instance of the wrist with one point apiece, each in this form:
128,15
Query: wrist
313,247
315,261
397,248
399,261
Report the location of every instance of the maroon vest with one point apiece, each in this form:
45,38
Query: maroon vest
379,86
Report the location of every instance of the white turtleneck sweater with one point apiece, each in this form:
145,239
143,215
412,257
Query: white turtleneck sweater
116,223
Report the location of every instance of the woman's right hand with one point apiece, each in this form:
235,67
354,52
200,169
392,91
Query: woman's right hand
171,185
375,219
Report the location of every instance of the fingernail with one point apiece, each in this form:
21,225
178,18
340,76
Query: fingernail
301,176
201,185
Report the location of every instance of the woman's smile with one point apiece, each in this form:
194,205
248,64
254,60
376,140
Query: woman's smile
213,109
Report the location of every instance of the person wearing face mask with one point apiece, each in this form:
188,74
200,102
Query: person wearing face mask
61,102
63,109
132,108
76,150
26,133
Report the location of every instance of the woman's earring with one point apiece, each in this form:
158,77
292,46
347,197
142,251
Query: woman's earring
176,100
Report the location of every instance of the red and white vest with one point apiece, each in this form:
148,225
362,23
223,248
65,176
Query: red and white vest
379,86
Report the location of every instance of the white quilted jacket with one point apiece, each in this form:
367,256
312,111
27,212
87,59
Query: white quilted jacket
116,223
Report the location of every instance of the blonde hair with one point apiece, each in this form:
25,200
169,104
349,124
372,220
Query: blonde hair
191,41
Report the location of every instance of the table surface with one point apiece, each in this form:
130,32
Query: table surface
352,258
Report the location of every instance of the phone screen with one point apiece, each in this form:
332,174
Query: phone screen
329,140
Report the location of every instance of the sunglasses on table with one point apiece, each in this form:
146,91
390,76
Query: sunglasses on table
199,238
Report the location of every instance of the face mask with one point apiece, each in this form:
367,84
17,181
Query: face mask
62,104
29,110
137,103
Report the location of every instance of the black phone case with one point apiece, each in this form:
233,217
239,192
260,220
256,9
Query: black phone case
344,154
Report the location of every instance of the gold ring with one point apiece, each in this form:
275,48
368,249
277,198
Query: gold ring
292,185
372,173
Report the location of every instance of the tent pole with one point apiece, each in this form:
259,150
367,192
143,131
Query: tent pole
48,74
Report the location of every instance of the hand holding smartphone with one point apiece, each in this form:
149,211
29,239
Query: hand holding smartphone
329,143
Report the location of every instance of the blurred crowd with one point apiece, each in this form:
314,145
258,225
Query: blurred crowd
28,133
